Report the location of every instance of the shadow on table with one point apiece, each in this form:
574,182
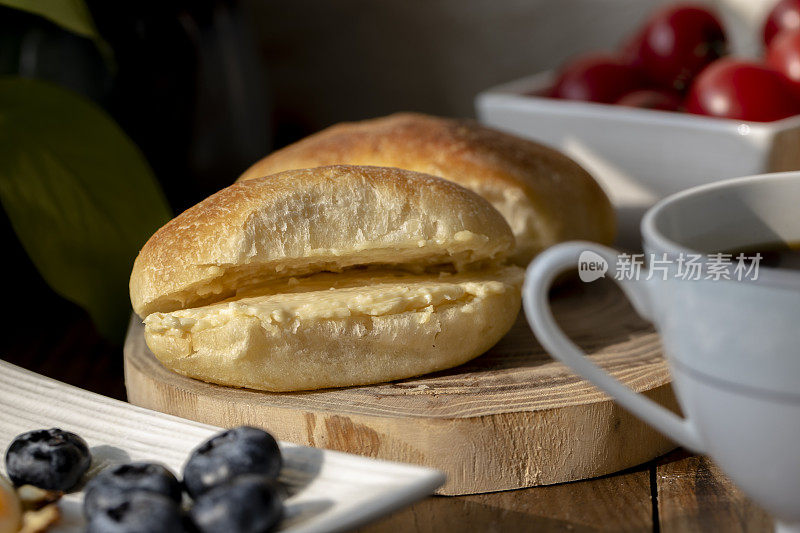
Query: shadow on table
443,515
694,494
616,502
103,456
300,466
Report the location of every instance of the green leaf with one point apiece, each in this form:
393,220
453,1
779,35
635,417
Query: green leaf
72,15
79,195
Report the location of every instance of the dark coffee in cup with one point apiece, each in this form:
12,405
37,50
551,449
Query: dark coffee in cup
785,255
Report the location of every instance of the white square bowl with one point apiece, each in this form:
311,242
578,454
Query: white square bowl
640,155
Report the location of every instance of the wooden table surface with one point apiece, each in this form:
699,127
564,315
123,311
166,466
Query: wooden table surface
676,493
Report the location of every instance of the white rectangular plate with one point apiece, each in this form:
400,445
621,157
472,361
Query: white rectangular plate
329,491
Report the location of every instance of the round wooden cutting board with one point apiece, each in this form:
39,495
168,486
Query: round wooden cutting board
511,418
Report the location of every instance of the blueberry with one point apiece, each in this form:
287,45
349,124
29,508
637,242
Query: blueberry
50,459
242,450
248,504
114,482
138,512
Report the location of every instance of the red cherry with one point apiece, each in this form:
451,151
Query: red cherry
675,44
783,55
596,78
652,99
743,90
784,16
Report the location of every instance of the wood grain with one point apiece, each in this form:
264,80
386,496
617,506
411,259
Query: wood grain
693,495
614,503
509,419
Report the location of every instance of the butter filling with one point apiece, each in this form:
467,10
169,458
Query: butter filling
339,295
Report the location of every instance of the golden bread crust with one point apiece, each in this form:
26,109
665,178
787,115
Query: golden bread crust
304,221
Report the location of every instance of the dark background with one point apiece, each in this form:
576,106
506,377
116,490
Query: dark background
207,87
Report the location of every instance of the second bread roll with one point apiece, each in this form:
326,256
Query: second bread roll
544,196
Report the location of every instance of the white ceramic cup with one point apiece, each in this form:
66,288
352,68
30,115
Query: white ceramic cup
733,345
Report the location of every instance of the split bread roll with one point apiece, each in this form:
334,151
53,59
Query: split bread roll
544,196
327,277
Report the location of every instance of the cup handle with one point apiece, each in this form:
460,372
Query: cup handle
540,275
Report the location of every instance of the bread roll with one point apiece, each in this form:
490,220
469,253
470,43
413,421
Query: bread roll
327,277
544,196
